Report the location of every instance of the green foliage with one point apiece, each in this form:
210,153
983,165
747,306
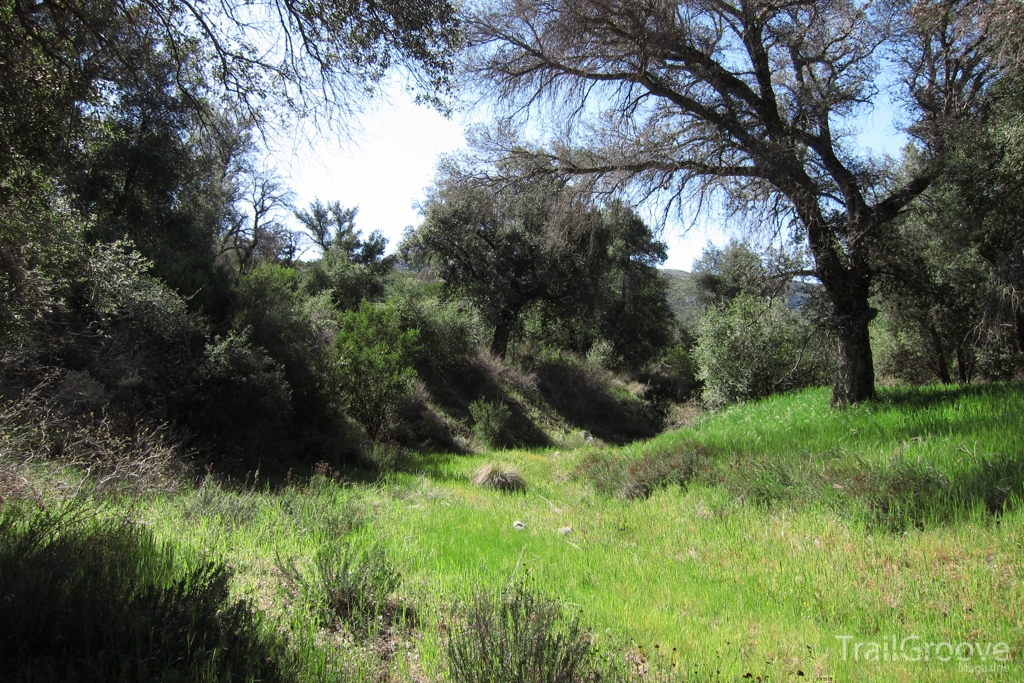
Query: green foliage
150,173
754,348
351,269
372,364
450,328
518,636
240,401
490,422
94,599
722,274
538,248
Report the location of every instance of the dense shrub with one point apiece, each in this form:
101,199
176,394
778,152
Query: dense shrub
631,478
491,422
94,599
349,283
240,400
373,364
753,348
449,329
900,353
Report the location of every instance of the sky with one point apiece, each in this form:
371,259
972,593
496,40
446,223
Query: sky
385,169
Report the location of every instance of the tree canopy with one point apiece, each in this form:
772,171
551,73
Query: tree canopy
750,99
539,241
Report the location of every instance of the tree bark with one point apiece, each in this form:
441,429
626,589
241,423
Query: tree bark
1019,319
855,372
502,333
940,355
961,365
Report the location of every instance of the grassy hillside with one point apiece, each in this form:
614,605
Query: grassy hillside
753,543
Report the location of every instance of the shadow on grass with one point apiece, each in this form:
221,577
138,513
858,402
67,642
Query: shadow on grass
456,386
897,496
937,395
89,599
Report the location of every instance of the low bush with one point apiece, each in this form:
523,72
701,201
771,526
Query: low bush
490,422
352,586
518,636
632,478
663,468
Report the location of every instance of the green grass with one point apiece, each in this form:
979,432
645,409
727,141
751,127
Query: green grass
757,564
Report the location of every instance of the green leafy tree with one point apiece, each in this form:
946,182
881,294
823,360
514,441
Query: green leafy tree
350,268
722,274
625,307
752,347
509,247
372,360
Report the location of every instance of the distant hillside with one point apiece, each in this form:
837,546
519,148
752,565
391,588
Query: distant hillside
681,297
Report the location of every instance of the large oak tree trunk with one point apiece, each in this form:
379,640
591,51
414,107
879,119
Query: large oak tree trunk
502,333
846,278
855,371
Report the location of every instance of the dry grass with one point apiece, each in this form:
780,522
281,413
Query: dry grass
500,477
45,447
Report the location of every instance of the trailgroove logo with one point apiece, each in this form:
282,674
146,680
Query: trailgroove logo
972,657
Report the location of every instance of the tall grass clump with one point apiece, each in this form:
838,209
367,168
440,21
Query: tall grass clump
518,636
89,598
500,477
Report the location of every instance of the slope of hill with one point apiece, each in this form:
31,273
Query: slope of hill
681,296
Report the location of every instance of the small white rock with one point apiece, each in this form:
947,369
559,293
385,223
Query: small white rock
565,530
518,526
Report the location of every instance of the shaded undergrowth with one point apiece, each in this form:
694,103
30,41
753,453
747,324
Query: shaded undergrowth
90,598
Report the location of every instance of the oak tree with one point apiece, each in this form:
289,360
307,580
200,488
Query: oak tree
750,99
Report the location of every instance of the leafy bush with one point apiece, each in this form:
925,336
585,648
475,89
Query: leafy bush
240,399
518,636
602,355
900,353
753,348
372,364
93,599
450,329
490,422
349,283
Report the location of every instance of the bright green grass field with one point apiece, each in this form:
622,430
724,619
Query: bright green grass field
694,577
